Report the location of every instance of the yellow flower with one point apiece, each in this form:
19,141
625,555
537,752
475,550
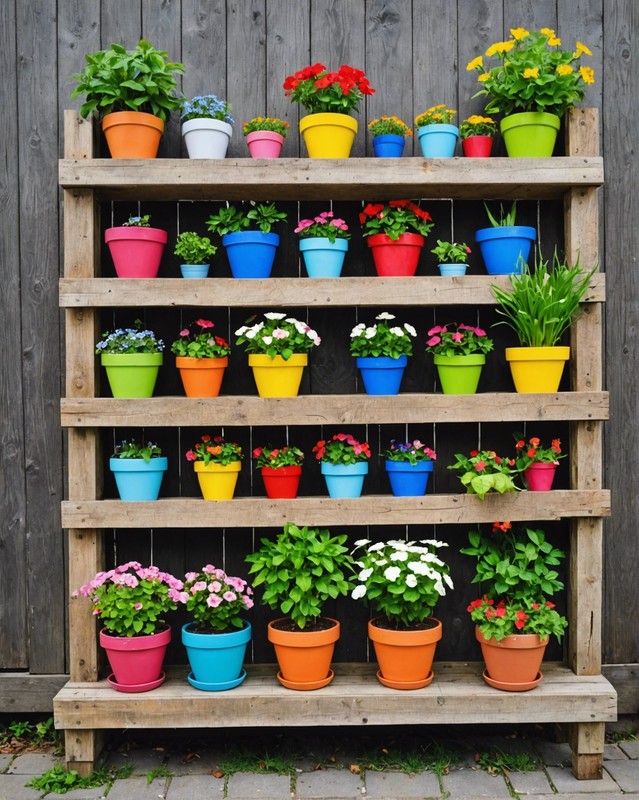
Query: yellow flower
588,74
451,111
582,49
519,33
500,47
484,77
476,62
549,32
531,72
564,69
554,41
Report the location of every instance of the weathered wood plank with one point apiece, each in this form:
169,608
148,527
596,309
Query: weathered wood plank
22,693
259,512
353,179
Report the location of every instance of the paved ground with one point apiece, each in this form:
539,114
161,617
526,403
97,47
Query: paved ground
337,764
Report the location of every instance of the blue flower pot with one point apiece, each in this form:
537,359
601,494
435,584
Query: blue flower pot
382,374
323,258
251,253
408,480
194,270
503,249
438,141
452,270
216,658
138,480
388,145
344,480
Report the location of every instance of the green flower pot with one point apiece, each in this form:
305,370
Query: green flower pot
459,374
132,374
530,134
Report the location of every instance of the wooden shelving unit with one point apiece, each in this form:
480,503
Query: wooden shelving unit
575,693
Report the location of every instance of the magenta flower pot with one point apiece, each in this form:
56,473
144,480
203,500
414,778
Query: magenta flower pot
539,477
136,661
136,252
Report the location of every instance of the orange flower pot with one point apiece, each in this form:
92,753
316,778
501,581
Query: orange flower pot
513,663
405,658
132,134
201,377
304,657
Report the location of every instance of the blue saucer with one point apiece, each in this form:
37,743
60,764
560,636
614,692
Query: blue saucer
215,687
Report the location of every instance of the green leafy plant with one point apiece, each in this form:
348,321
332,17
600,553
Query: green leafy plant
300,570
535,75
275,457
215,450
389,125
131,449
403,580
342,448
457,339
409,452
273,124
476,125
260,216
394,218
541,305
60,781
130,599
531,452
129,340
517,575
435,115
325,225
118,79
138,222
498,762
483,471
506,218
206,106
277,335
203,344
382,339
451,252
216,600
318,90
193,249
159,772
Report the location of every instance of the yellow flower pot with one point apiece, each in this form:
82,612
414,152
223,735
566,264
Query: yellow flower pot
328,135
537,369
217,481
275,377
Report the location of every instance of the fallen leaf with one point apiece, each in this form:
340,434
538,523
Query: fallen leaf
216,773
355,769
189,757
317,767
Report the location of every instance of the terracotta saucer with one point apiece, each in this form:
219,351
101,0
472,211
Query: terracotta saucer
512,687
136,687
405,684
306,687
215,687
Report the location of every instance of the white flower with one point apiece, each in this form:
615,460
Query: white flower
433,542
377,546
280,333
300,327
365,574
392,574
358,330
241,331
313,336
274,315
399,555
251,333
396,331
385,315
380,562
358,592
418,567
448,580
267,339
411,581
410,329
362,542
370,332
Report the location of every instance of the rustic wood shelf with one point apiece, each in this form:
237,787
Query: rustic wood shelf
332,409
351,179
472,290
260,512
457,695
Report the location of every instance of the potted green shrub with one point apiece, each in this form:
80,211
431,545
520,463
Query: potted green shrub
194,251
323,244
247,237
436,133
138,470
539,307
477,134
389,136
265,136
452,257
459,353
483,471
217,463
133,92
343,463
505,246
201,356
514,616
395,232
135,247
403,581
132,358
281,469
300,570
381,352
408,466
207,126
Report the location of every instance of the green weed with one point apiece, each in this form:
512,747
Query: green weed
498,762
159,772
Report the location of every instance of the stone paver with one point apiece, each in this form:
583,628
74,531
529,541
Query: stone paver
631,749
249,785
137,789
534,782
5,760
143,760
197,787
12,787
473,783
202,762
33,764
553,754
570,796
625,773
80,794
564,781
612,752
329,783
401,786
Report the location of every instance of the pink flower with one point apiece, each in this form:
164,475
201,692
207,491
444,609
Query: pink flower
191,456
185,332
280,333
215,587
213,600
433,341
436,329
191,576
248,603
204,323
480,332
137,606
457,337
303,223
229,596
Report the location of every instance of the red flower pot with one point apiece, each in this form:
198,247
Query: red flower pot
396,257
281,482
539,477
477,146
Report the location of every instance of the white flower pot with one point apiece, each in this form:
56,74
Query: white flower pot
206,138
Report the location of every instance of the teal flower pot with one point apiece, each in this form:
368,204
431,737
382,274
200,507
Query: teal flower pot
438,141
138,480
194,270
408,480
382,374
452,270
251,253
216,659
323,258
344,480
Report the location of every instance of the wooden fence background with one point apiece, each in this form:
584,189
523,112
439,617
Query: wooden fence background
414,52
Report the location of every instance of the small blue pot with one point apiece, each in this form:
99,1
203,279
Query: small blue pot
504,248
323,258
194,270
388,145
251,253
452,270
138,480
344,480
438,141
382,374
408,480
216,659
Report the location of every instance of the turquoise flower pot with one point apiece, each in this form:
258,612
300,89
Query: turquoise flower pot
323,258
216,659
138,480
408,480
438,141
382,374
452,270
344,480
194,270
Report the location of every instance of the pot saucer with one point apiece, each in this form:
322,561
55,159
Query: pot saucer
505,686
405,684
304,686
135,687
215,687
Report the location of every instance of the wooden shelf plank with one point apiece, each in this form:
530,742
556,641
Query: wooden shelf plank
458,694
332,409
471,290
260,512
348,179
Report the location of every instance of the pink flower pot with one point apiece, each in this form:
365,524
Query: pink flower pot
136,252
264,144
136,661
539,477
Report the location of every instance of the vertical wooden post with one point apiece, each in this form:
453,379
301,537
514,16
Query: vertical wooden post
81,253
586,448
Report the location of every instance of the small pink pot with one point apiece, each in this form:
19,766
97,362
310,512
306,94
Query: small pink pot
136,252
264,144
136,661
539,477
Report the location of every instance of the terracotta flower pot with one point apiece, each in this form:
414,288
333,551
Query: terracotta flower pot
304,657
513,663
405,658
132,134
